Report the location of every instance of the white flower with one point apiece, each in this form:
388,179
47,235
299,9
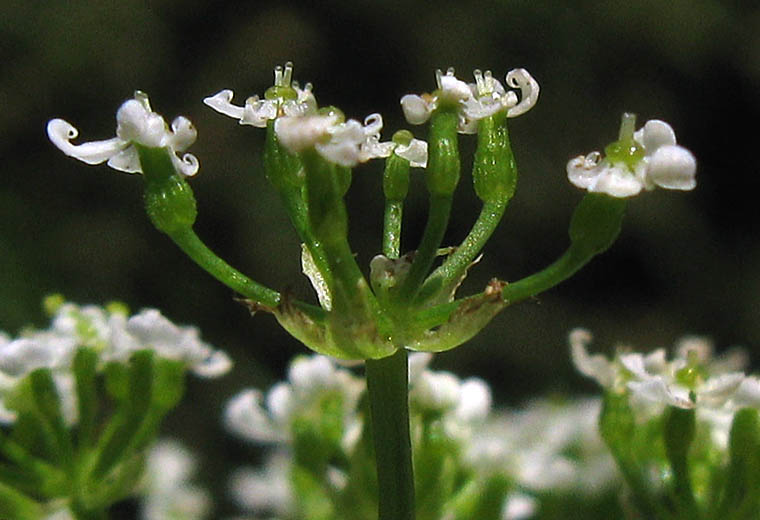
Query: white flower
167,492
693,379
346,143
639,160
310,379
151,330
266,490
136,124
476,101
285,98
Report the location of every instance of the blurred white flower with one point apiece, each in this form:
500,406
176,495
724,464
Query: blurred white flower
476,101
310,380
692,379
136,124
265,490
168,493
639,160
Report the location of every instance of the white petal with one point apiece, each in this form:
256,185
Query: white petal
453,89
136,123
582,171
61,132
307,374
127,160
187,166
474,401
373,123
529,89
672,167
244,416
416,153
418,362
748,393
298,133
597,366
183,134
616,181
654,134
716,391
216,364
258,112
657,390
221,102
416,110
437,390
518,506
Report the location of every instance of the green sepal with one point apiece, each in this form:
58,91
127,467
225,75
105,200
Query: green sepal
741,491
17,506
396,178
324,189
169,200
617,427
596,223
494,172
85,375
678,433
48,404
312,499
130,412
443,168
482,498
39,476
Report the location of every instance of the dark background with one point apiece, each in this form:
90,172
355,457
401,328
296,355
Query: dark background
684,263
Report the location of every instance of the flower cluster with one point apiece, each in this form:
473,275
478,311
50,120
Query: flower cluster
474,101
693,379
453,429
111,333
299,124
643,159
137,125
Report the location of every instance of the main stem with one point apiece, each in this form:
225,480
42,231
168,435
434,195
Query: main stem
388,387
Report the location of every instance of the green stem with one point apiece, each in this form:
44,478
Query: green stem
438,219
392,228
193,247
561,269
387,384
456,264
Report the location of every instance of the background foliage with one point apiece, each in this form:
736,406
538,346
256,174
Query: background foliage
685,263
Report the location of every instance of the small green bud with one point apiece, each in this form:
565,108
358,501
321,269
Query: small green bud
52,303
396,175
494,173
169,200
443,157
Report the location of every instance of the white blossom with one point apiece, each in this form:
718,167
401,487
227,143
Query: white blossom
640,160
692,379
136,124
265,490
476,101
168,493
267,419
285,98
149,329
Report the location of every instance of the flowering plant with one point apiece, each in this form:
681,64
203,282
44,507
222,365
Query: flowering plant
404,441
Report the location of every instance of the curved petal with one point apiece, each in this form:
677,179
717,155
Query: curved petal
582,171
416,153
61,133
673,167
616,181
258,112
529,89
187,166
654,134
127,161
183,134
136,123
216,364
221,102
416,109
596,367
